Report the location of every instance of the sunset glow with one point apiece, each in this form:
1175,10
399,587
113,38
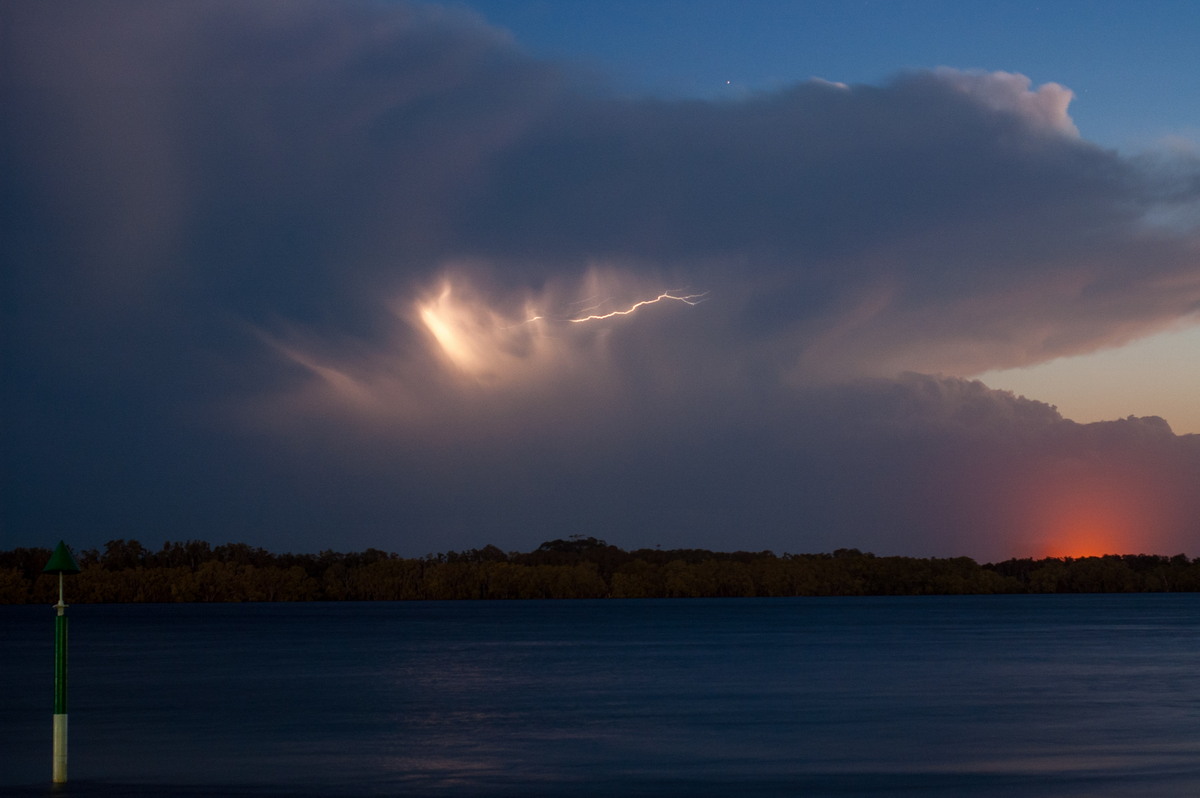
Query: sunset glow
1085,513
1086,538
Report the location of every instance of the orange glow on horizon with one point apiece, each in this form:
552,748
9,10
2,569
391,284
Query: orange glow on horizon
1085,540
1086,513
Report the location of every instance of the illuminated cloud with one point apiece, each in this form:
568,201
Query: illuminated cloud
367,270
1045,107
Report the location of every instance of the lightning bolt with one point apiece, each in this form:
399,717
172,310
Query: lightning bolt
687,299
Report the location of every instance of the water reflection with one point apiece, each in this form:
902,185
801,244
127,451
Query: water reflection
964,696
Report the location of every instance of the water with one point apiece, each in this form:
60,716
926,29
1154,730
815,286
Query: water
935,696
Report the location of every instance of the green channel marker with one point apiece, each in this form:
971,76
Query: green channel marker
61,562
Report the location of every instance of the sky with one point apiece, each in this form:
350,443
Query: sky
918,278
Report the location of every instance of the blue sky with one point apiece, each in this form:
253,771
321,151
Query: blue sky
316,275
1132,66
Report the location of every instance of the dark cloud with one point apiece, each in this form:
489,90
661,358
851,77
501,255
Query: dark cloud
312,275
949,213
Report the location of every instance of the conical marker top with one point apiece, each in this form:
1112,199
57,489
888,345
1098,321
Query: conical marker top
61,561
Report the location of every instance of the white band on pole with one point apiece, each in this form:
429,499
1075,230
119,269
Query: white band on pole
60,749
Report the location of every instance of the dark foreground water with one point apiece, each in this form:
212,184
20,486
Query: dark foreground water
942,696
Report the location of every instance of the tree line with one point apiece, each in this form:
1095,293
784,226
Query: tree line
577,567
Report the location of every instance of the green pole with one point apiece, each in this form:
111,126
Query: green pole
61,562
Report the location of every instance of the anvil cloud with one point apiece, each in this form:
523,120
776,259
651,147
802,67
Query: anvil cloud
305,275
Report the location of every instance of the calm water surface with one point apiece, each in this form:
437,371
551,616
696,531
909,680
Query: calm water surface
941,696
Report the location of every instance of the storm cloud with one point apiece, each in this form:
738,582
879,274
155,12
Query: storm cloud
319,275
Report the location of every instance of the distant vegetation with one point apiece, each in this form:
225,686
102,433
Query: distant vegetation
579,567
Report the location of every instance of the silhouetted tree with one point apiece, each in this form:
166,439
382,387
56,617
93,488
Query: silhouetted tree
575,567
